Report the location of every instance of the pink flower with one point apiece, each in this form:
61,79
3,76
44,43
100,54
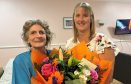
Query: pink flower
94,75
46,59
47,70
99,38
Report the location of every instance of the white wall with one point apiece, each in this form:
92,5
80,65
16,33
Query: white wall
13,14
109,12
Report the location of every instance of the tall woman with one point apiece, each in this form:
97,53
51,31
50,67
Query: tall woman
94,45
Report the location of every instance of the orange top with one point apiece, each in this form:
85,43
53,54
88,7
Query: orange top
37,57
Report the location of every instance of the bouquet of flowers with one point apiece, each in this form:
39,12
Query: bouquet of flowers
60,67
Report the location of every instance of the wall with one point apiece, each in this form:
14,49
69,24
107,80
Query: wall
109,12
13,14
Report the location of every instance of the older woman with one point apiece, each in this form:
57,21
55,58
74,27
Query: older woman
37,36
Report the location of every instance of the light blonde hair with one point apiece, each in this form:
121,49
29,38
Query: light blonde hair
89,11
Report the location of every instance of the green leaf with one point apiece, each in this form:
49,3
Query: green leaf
71,75
70,61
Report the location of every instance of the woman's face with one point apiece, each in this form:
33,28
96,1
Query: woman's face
37,36
82,19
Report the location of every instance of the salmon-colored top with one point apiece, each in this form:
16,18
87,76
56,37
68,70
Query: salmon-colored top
37,57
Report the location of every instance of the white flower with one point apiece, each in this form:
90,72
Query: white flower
83,78
76,72
86,72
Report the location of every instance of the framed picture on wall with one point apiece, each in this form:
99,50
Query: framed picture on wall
67,22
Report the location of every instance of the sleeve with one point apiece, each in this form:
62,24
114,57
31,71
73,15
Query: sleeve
21,73
7,75
102,42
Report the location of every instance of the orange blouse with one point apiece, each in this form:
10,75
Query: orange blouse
37,57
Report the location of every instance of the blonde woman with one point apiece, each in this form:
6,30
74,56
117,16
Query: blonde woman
97,44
